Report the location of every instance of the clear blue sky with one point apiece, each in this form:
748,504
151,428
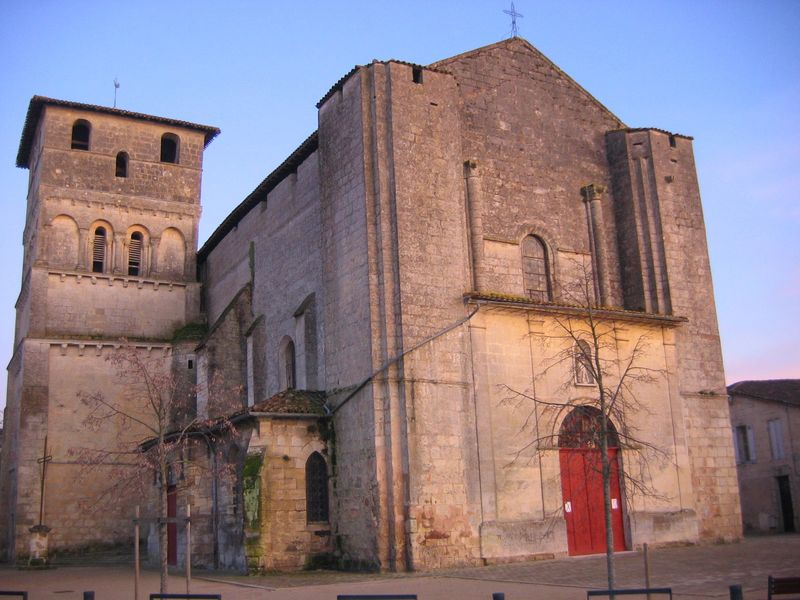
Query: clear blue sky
725,72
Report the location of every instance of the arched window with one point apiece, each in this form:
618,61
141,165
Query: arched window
583,363
81,130
135,253
122,164
289,368
582,429
170,146
99,250
535,271
316,489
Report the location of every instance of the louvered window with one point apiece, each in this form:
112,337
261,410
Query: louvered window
135,254
99,250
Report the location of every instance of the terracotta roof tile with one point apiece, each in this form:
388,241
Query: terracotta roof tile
299,402
777,390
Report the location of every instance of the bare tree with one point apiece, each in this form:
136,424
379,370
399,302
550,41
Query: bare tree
589,349
157,407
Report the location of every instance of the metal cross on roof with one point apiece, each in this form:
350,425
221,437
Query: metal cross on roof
514,14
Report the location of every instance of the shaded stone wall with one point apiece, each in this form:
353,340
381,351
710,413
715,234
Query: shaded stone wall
428,432
761,503
348,324
666,265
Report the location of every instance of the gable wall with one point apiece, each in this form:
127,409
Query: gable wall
537,139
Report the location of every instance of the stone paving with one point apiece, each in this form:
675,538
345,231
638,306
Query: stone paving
693,572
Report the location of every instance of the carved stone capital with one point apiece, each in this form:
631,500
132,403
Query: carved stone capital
592,192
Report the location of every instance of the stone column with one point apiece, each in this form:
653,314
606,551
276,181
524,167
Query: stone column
116,258
152,265
592,194
474,222
83,250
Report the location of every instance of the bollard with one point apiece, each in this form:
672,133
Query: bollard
498,596
88,595
736,592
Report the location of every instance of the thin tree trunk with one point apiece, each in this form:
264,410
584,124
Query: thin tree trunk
606,484
162,531
607,514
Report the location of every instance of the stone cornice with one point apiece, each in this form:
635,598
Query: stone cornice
503,301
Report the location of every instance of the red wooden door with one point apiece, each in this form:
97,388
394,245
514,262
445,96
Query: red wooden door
582,489
172,526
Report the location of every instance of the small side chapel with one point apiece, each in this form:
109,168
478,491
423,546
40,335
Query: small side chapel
418,310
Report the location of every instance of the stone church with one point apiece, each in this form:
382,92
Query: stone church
415,321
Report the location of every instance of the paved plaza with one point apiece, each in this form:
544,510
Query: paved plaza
693,572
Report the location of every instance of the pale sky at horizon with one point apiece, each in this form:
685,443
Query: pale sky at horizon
725,72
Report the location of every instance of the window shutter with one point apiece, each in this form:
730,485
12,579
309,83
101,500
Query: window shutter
775,429
99,251
751,444
134,256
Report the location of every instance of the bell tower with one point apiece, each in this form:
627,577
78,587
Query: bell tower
109,252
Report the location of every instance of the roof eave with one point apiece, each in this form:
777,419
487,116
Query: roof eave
38,103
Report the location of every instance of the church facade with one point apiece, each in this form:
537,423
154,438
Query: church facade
427,309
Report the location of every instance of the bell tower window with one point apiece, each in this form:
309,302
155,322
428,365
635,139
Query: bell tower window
81,131
99,250
135,254
122,165
170,146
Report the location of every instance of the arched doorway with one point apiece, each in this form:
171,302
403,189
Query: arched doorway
582,482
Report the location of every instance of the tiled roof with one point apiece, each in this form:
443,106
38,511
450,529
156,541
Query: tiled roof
298,402
343,79
288,166
635,129
777,390
39,102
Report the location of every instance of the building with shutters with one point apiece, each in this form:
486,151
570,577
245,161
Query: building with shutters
765,417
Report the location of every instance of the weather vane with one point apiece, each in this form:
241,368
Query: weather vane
513,14
116,83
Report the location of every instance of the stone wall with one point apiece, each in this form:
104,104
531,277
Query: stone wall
525,386
70,318
348,342
281,536
537,138
94,169
665,251
85,504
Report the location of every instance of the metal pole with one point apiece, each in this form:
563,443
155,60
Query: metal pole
136,554
646,569
736,592
188,548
